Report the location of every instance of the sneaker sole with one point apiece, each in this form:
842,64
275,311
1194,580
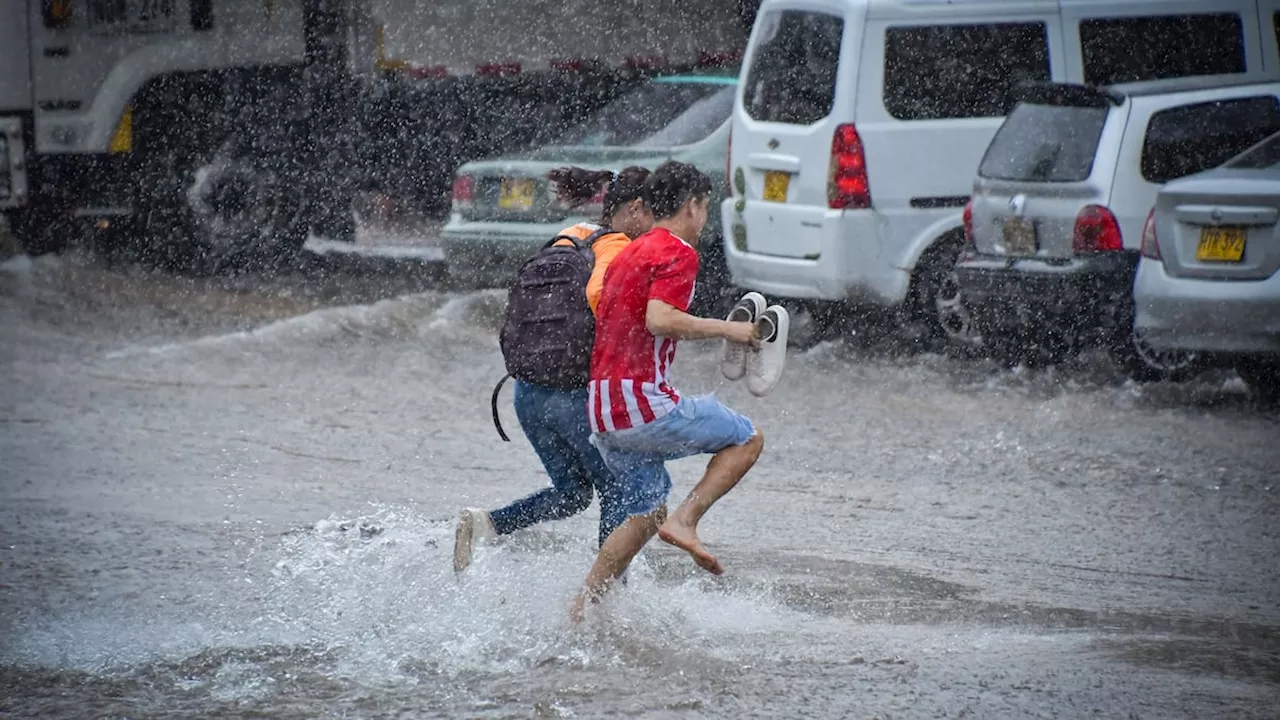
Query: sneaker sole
464,542
772,354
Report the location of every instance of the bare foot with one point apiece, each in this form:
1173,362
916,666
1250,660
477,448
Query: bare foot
674,532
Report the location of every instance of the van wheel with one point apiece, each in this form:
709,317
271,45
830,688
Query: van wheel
940,303
1144,363
1262,377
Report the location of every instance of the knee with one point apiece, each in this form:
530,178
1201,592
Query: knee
757,441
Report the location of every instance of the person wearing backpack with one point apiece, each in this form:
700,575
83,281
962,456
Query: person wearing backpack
546,341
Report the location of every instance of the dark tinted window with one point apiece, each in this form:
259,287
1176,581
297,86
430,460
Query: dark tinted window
1265,155
955,71
639,114
792,78
1118,50
1045,143
700,120
1185,140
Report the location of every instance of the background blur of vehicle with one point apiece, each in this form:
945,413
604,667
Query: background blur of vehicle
1061,197
1209,278
222,133
504,208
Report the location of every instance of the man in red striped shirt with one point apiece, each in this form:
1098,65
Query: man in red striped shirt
638,420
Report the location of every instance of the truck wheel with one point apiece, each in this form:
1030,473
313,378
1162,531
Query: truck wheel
242,211
939,302
221,210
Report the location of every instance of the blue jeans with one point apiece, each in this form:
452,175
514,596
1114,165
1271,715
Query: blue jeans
637,456
555,422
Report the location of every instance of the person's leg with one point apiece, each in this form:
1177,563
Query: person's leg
616,554
703,424
724,471
550,420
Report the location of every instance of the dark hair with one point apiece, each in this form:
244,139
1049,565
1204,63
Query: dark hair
673,184
575,186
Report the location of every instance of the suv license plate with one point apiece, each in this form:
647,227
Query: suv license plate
516,194
1019,237
775,186
1221,245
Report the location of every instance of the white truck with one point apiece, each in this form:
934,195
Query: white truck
226,131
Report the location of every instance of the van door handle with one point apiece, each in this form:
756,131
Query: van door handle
1228,215
774,161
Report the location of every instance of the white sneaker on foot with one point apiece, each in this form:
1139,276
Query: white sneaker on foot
474,526
734,363
765,365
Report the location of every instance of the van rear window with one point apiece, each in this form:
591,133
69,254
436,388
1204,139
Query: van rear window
1045,143
792,76
1185,140
1119,50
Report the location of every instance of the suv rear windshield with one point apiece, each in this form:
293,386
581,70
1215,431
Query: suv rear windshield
1188,139
647,111
1045,143
792,77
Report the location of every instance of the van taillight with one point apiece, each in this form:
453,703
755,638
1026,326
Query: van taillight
847,184
1150,244
728,164
463,191
968,224
1096,230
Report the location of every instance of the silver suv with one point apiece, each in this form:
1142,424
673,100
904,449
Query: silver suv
1054,225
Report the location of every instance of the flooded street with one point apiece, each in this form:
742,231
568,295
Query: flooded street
237,498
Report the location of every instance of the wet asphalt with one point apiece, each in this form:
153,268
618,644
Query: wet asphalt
235,497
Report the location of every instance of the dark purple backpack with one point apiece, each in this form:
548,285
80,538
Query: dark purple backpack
549,329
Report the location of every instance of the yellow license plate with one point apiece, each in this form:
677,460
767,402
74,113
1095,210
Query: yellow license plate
1019,237
516,194
1221,245
775,186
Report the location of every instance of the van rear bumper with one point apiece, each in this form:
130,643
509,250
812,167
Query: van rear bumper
849,266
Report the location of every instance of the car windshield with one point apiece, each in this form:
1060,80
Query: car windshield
660,114
1265,154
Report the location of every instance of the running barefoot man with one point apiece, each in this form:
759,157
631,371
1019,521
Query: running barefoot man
638,420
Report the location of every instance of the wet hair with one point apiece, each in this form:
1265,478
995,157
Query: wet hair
575,186
671,185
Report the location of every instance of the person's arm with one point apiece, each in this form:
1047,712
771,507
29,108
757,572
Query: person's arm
666,321
605,249
669,295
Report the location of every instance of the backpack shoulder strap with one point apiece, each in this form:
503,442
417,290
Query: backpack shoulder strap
591,239
576,241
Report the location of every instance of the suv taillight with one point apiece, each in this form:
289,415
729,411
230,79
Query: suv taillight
1096,230
1150,244
463,191
969,242
847,184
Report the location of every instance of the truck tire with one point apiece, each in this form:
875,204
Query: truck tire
224,209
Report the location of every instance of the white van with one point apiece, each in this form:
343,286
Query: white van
859,126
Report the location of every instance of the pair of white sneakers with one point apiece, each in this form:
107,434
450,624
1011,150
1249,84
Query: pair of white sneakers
761,366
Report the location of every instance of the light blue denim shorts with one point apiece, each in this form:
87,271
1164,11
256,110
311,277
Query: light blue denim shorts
637,456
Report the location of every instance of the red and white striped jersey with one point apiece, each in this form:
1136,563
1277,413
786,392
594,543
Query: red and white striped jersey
629,365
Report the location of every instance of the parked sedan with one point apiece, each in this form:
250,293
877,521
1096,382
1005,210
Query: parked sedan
504,208
1209,277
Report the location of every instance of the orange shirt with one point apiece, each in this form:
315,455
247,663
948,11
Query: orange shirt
606,248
